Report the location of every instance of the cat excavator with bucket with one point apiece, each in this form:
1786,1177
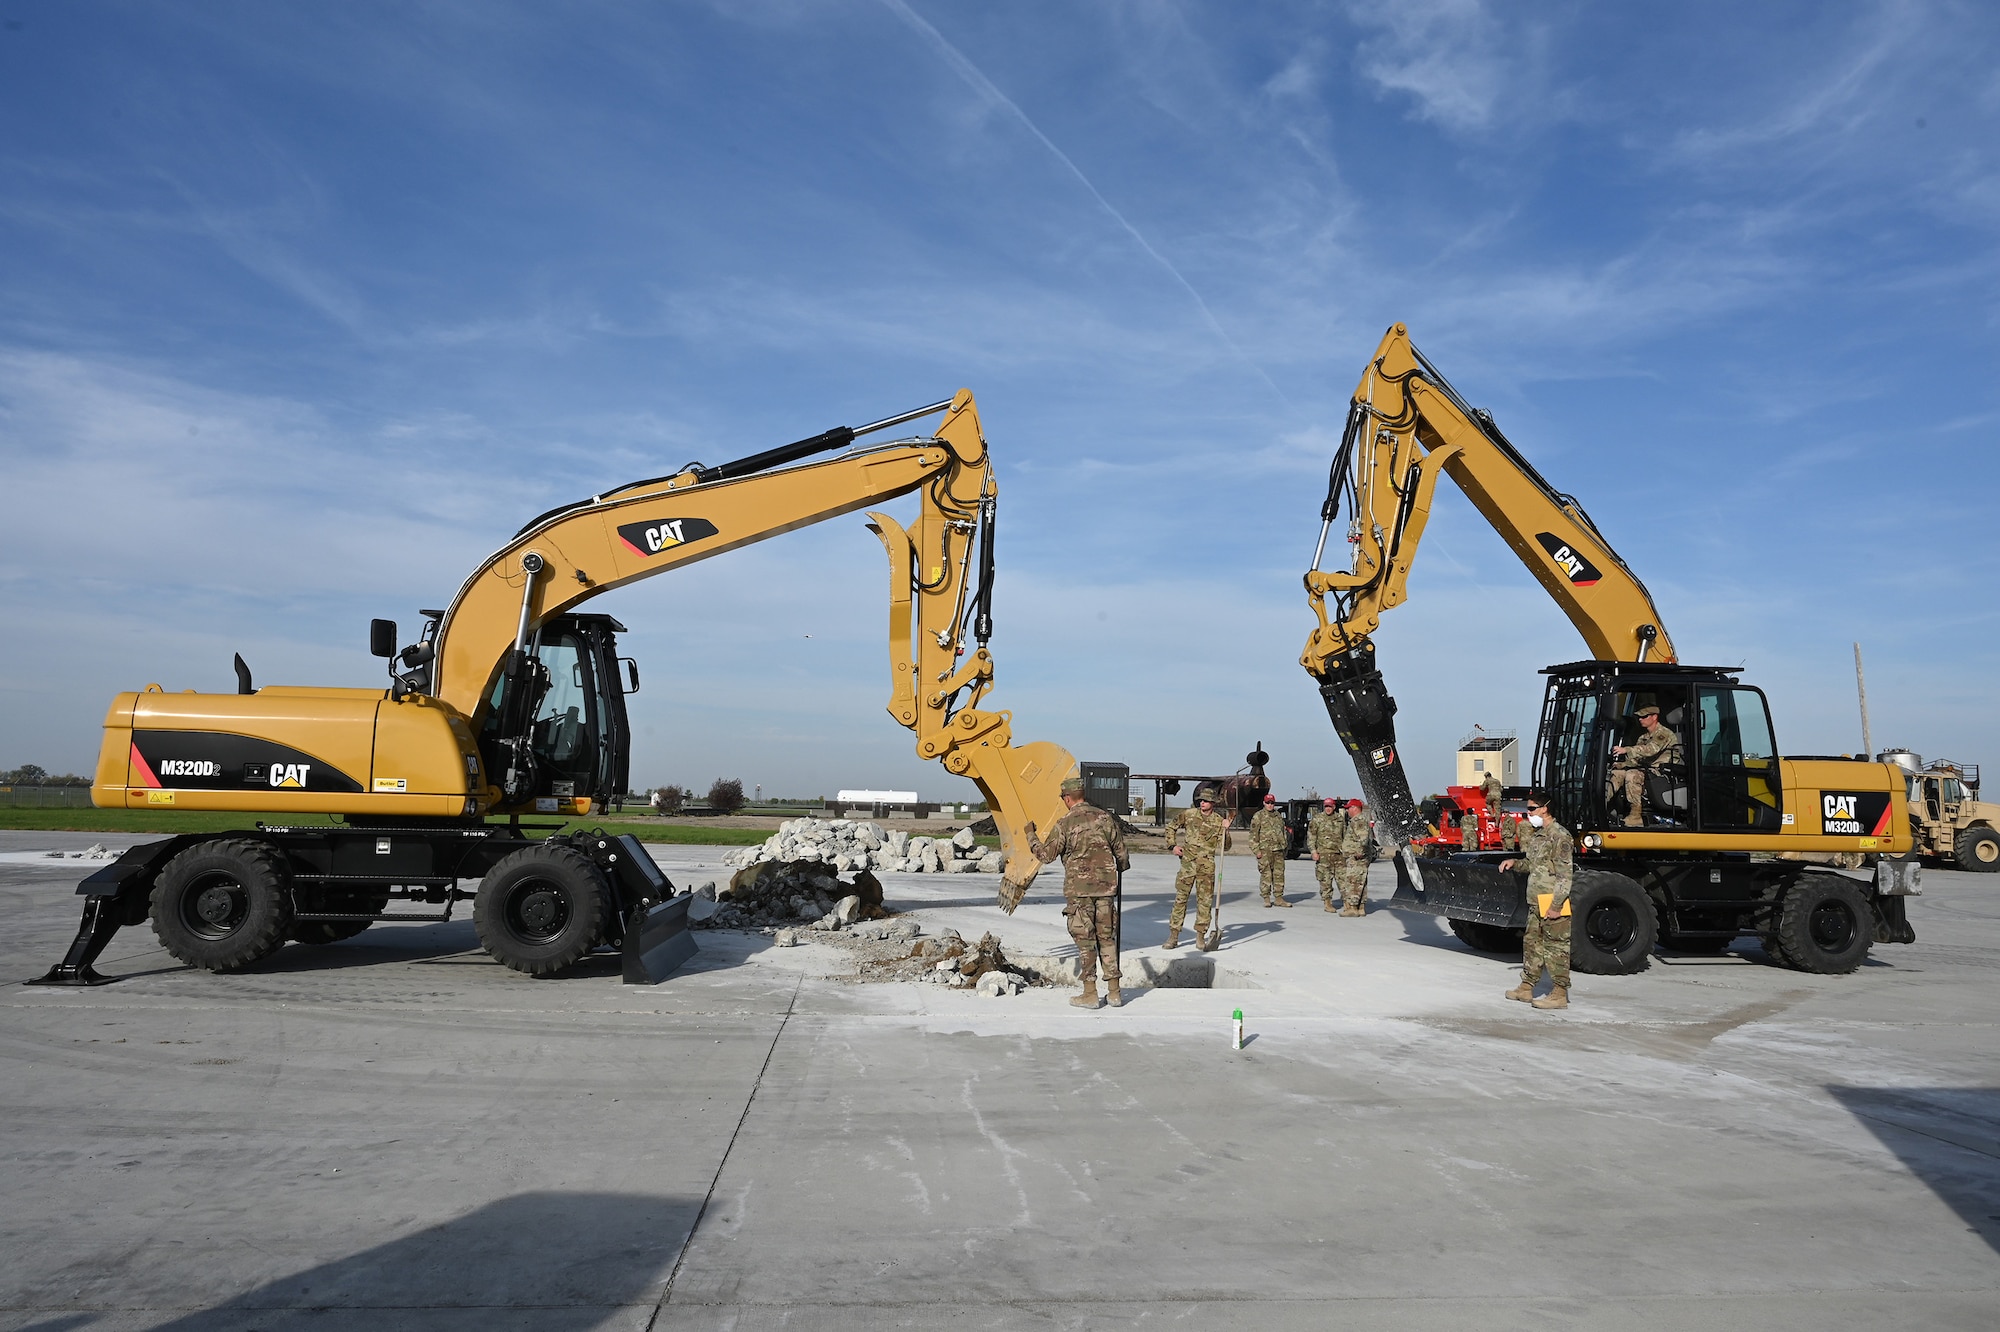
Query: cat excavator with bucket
511,703
1689,865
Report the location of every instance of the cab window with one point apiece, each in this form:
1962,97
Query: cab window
1740,789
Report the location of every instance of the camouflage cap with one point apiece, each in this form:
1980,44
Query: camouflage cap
1648,711
1207,794
1072,786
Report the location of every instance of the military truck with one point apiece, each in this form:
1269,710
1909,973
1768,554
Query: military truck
1953,825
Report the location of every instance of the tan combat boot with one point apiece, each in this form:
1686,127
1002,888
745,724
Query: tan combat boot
1111,994
1173,938
1280,901
1555,998
1352,911
1525,991
1088,999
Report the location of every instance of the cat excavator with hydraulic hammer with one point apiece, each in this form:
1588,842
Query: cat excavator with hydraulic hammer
512,703
1697,859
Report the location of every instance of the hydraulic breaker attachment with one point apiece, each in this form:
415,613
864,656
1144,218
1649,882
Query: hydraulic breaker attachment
1365,716
117,895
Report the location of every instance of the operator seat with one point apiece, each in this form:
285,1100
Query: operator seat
1666,785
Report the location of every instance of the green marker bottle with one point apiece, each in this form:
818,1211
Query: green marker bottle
1237,1017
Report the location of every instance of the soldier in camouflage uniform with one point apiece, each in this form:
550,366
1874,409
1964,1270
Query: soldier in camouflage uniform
1198,836
1092,847
1323,832
1268,838
1489,791
1468,830
1510,832
1656,746
1547,852
1354,862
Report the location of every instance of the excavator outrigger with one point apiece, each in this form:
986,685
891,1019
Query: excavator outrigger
1684,867
512,703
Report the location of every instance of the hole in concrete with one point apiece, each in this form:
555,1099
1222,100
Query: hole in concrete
1189,973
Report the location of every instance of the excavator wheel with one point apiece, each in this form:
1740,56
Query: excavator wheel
223,905
541,908
1612,927
1825,924
1977,849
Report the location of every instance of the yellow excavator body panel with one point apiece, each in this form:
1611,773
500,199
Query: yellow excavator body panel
287,750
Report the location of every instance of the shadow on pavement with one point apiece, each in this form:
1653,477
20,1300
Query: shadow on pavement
560,1258
1949,1137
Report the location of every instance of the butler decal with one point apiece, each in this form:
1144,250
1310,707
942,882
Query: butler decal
662,534
1574,567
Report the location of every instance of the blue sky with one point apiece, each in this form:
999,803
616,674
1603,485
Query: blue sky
306,308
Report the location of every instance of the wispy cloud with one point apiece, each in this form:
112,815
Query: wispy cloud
963,66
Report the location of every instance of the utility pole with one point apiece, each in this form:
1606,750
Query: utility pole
1861,687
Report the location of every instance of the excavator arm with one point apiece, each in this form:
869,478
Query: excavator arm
1406,427
940,593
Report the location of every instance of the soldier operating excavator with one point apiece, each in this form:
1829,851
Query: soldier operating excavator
1669,828
512,703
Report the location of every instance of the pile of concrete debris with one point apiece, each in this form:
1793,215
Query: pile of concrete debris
780,892
847,845
947,959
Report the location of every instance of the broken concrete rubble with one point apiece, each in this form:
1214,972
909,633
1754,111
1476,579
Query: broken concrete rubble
845,846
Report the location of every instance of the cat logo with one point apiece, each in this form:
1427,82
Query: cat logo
290,776
1577,569
1382,757
662,534
1854,813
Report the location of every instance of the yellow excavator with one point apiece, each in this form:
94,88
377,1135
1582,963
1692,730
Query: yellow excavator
1688,864
512,703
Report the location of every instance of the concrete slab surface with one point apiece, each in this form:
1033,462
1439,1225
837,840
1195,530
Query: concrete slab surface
394,1131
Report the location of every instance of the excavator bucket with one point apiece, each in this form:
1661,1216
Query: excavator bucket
1022,784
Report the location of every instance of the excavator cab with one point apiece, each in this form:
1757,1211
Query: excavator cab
1721,777
555,732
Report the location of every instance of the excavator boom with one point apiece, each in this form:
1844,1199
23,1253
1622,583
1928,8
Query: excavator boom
1407,427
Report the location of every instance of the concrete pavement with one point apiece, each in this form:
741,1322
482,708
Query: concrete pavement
395,1131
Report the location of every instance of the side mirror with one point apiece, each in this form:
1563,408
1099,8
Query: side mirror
382,638
631,674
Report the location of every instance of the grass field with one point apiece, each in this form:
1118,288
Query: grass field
167,823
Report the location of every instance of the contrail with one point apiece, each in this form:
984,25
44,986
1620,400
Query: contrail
986,88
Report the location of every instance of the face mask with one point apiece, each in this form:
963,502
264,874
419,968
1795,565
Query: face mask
1534,820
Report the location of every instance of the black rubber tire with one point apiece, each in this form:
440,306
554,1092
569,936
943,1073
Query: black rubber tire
223,905
1825,924
1774,951
1612,927
1977,849
1482,938
318,933
541,908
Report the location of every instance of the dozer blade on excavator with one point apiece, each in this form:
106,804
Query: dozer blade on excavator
657,939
